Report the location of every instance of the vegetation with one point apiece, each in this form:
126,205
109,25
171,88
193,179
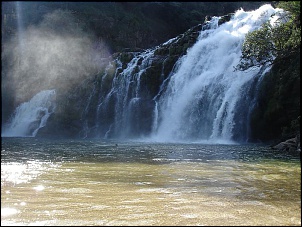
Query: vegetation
141,25
123,24
273,42
278,112
113,25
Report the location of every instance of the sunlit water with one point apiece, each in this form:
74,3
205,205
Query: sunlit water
90,182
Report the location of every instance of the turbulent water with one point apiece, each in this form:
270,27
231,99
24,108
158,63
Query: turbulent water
202,99
206,98
158,179
93,182
30,116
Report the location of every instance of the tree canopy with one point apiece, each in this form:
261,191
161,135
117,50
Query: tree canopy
272,43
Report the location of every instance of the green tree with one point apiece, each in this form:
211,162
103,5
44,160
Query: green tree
270,43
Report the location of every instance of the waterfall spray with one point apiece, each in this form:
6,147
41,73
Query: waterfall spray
31,116
203,96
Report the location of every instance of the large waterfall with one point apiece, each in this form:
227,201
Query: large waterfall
201,98
206,99
30,116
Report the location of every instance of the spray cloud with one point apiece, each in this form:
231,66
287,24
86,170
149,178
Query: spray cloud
55,54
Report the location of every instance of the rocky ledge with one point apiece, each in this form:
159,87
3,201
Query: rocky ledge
290,145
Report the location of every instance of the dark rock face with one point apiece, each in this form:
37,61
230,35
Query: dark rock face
82,112
290,145
225,18
114,25
277,113
123,24
88,111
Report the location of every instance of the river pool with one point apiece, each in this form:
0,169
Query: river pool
98,182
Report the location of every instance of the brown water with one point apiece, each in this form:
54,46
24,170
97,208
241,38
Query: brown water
70,182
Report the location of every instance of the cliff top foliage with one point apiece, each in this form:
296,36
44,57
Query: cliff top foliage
123,24
273,43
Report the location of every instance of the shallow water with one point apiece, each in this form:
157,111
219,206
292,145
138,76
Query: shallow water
90,182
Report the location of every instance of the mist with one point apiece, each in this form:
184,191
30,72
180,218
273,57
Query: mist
55,54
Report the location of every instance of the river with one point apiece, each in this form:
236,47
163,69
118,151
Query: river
105,182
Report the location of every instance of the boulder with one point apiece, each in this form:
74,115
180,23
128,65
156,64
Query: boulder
292,144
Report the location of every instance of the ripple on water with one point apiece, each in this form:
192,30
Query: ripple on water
156,185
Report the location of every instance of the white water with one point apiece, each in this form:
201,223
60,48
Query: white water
204,94
125,92
202,99
30,116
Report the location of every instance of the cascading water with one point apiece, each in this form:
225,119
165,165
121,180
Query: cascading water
199,97
125,110
30,116
205,98
126,95
202,98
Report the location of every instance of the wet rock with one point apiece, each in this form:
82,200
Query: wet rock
291,145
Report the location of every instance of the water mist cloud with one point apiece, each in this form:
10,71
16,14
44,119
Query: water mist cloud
56,54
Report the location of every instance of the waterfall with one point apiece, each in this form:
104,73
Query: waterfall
30,116
173,92
206,99
199,98
126,93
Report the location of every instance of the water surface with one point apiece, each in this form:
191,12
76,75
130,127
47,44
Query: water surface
93,182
